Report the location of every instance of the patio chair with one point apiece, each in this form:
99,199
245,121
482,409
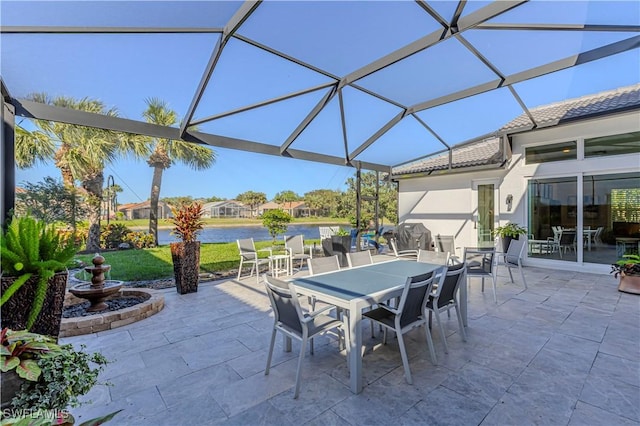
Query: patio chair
249,254
359,258
295,248
513,258
293,322
327,231
320,265
566,242
445,296
409,254
446,243
480,263
409,314
434,257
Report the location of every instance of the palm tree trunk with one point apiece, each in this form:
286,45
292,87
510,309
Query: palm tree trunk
93,186
155,196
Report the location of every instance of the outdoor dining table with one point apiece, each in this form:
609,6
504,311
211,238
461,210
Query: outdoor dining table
354,289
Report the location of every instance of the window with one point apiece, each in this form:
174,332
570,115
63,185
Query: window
554,152
626,143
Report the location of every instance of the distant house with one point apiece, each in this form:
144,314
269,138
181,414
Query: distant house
294,208
227,208
141,210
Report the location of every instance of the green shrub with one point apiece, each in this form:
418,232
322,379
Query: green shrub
139,239
113,234
66,374
31,247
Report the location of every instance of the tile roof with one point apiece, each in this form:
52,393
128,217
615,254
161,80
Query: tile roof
487,151
481,153
621,99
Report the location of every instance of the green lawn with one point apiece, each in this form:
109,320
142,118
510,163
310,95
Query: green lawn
155,263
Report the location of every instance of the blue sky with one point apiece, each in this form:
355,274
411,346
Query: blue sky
124,70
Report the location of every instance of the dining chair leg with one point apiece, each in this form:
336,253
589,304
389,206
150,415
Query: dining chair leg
510,274
524,281
405,359
460,323
495,294
311,346
240,268
273,342
441,328
384,336
303,349
432,349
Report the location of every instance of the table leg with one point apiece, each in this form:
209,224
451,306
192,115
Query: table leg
355,343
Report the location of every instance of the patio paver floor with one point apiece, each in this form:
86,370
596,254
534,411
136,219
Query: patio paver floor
564,352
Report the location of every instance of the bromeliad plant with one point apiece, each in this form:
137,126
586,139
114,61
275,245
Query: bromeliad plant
30,247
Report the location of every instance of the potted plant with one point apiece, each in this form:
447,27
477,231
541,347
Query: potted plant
34,259
341,245
508,232
186,254
628,269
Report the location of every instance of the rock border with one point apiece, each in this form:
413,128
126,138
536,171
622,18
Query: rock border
112,319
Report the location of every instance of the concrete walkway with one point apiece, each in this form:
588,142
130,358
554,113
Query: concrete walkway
564,352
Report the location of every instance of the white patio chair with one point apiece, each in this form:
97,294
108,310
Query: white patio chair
294,245
513,258
293,322
481,263
409,314
249,255
409,254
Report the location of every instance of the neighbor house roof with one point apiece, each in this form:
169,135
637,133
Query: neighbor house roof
487,152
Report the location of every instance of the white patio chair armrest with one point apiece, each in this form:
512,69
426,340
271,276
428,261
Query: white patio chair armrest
265,249
309,316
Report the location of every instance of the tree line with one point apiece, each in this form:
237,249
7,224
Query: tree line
82,153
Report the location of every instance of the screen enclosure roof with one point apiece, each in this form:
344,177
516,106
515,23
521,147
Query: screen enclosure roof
362,83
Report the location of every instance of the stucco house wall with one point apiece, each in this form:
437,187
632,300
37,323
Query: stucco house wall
447,204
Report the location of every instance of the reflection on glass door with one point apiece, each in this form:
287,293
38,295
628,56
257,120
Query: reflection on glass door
553,217
486,219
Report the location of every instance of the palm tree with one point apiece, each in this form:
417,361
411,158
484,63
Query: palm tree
80,153
167,151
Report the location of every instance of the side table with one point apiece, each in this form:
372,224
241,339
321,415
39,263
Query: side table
279,265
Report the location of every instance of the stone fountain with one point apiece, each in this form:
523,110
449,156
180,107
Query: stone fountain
99,289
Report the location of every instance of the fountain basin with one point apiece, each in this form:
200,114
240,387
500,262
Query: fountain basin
96,295
112,319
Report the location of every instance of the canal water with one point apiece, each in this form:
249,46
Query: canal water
231,234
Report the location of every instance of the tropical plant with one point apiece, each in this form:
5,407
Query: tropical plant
19,350
80,153
113,234
629,265
65,375
187,221
276,221
139,239
164,152
31,247
509,230
343,232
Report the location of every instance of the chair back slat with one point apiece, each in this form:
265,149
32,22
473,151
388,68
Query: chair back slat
286,308
295,244
320,265
515,251
359,258
450,285
434,257
413,297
